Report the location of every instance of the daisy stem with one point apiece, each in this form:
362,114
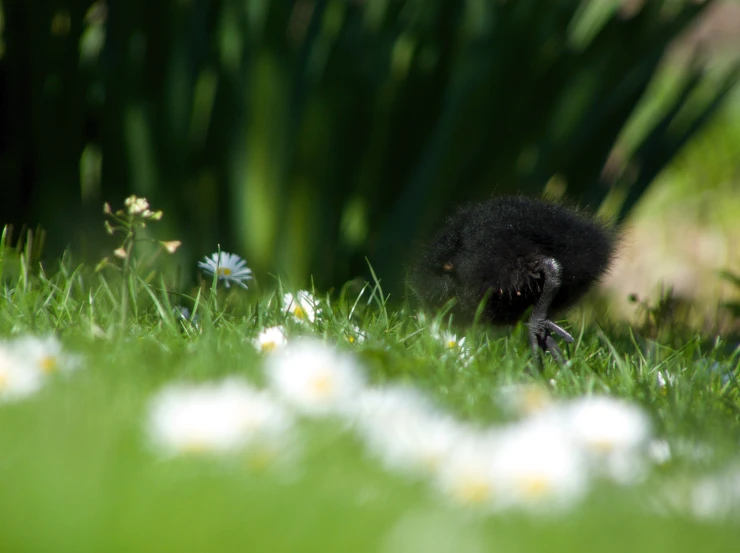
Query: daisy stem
130,239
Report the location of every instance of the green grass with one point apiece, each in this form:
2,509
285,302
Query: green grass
77,472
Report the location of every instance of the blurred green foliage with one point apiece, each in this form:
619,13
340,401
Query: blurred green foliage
309,134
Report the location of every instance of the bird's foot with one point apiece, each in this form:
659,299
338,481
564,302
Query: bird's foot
540,339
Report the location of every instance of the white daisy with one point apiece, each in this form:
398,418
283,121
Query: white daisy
18,377
355,335
664,379
404,430
453,345
467,475
450,341
659,451
270,339
613,432
710,499
523,399
538,465
219,417
303,306
228,267
386,403
315,378
715,497
45,354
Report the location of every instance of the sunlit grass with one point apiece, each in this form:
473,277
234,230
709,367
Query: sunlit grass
80,472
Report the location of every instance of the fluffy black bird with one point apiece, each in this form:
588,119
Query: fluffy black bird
516,253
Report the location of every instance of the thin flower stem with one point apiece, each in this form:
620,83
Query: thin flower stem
130,239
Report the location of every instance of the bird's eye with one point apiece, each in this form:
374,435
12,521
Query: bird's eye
448,267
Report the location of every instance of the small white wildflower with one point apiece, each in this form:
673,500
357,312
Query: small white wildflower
45,354
355,335
270,339
219,417
315,378
613,432
389,402
303,306
136,205
468,476
711,500
538,465
228,267
404,430
663,379
697,452
523,399
18,377
659,451
153,215
450,341
171,245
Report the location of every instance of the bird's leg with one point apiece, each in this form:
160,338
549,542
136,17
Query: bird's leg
540,327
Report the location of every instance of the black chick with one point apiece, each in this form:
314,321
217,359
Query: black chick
517,253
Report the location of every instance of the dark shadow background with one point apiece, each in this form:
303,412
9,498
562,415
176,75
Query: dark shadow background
307,135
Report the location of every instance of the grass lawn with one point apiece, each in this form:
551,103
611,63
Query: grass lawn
82,470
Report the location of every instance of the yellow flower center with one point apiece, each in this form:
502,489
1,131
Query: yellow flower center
474,491
602,445
268,346
300,313
351,339
535,400
534,486
322,385
451,344
224,271
48,364
195,445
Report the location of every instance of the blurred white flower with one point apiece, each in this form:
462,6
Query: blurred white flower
468,475
664,379
523,399
538,465
450,341
659,451
227,267
136,205
18,377
697,452
171,245
355,335
712,500
303,306
270,339
387,403
219,417
613,432
45,354
315,378
452,344
405,431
